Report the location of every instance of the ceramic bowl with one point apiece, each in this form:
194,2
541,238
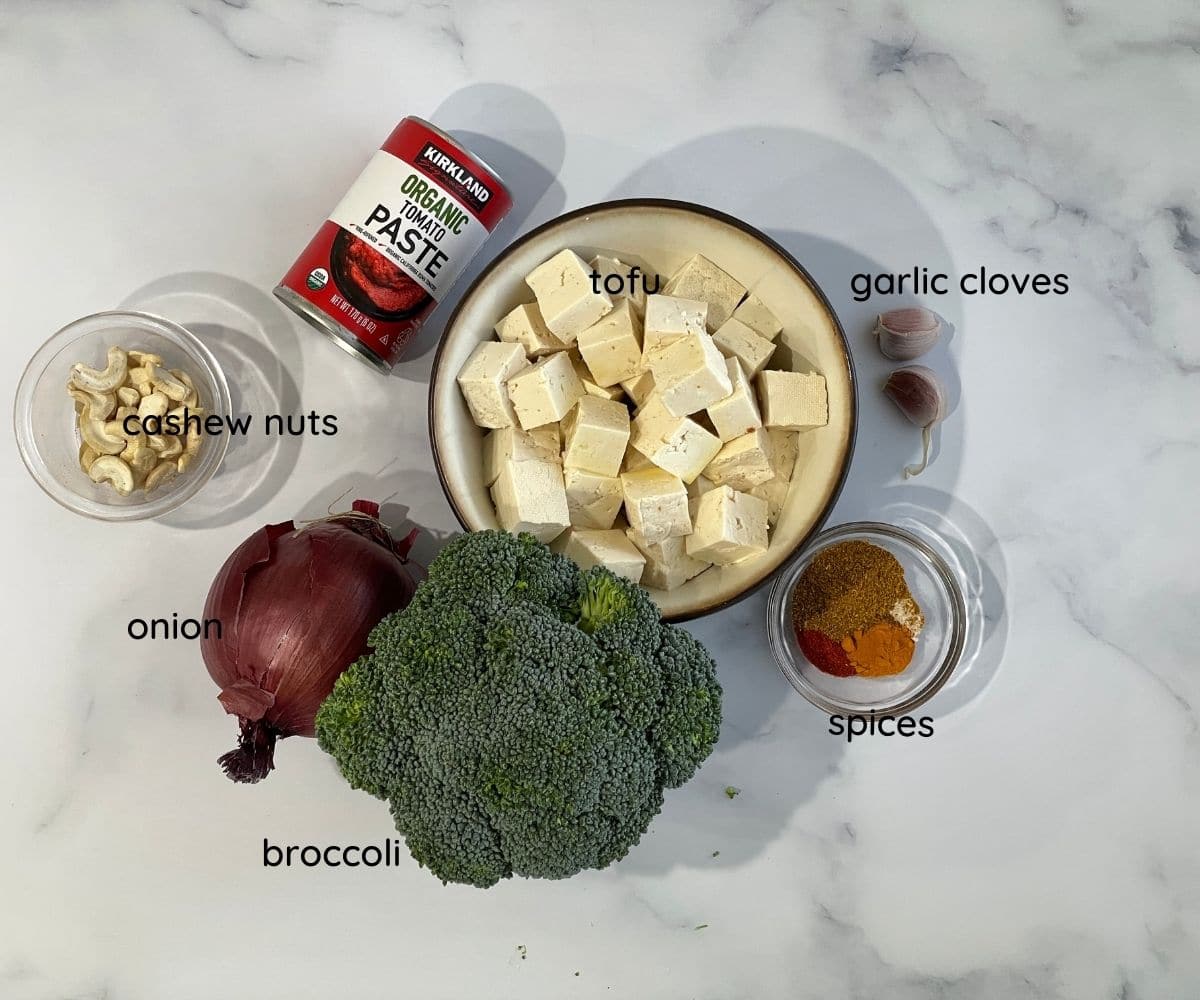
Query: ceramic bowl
662,234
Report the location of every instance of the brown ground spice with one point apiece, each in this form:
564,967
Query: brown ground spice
849,590
850,586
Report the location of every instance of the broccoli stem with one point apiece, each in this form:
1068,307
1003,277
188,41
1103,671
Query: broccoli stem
254,757
599,603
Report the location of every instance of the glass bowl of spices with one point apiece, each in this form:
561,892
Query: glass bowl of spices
867,618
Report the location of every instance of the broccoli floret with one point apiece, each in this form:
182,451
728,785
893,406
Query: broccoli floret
522,717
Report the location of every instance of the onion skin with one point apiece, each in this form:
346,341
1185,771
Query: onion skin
296,607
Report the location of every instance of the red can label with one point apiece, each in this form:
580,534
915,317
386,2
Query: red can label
399,238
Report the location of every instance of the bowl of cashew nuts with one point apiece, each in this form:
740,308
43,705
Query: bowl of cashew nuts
110,416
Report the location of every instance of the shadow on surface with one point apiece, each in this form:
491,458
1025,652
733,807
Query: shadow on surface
818,199
252,338
520,138
971,549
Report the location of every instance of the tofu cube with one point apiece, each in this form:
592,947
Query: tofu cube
482,381
730,526
736,340
774,492
525,326
689,374
758,317
585,377
612,347
592,501
667,319
699,278
563,286
595,434
793,401
743,463
640,387
635,460
632,287
667,563
590,547
512,443
785,447
613,392
678,445
737,413
656,504
530,496
544,392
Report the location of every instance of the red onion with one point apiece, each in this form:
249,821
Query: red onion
296,606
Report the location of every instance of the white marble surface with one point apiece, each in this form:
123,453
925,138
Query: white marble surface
1042,844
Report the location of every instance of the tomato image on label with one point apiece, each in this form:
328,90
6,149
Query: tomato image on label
372,282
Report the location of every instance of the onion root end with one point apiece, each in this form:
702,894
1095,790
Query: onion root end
254,757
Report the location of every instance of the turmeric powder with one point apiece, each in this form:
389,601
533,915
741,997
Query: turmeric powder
881,650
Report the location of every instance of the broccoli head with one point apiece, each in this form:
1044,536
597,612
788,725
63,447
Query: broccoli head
522,717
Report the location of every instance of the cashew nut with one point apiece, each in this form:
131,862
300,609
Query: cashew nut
169,385
172,446
164,472
106,380
140,358
141,460
193,397
95,435
122,413
86,457
184,461
101,404
110,469
154,405
142,379
128,396
92,428
116,429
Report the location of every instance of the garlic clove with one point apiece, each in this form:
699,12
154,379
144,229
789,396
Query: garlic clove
904,334
921,397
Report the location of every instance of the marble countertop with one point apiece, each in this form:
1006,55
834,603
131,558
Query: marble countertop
1042,844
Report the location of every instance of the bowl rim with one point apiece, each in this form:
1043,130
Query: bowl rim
168,502
677,205
777,611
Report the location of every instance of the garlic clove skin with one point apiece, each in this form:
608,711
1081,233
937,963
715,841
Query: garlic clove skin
921,397
905,334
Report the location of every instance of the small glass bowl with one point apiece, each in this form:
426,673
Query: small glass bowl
45,422
939,646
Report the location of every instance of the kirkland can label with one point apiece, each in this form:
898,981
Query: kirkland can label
396,242
413,223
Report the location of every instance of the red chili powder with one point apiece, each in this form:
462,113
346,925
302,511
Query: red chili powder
824,653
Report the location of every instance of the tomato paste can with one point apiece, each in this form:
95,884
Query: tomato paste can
396,242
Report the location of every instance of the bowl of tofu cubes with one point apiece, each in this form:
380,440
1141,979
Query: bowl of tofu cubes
651,386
